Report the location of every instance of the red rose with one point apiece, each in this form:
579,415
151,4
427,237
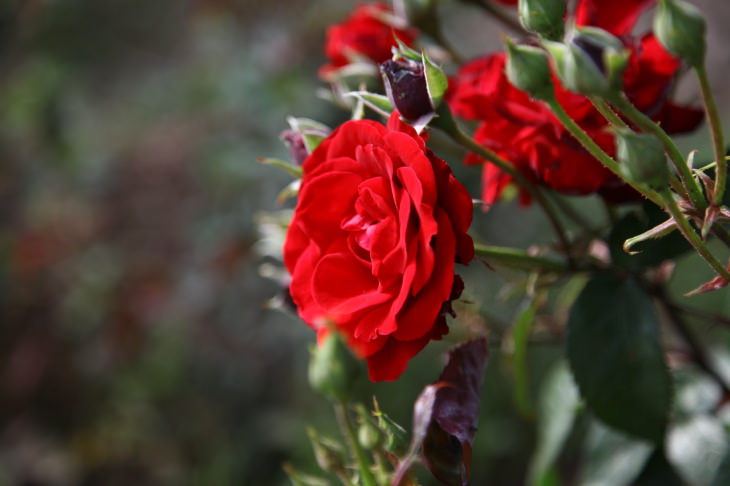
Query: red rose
377,229
364,34
526,133
616,16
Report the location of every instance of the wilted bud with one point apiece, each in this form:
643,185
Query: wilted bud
592,63
332,368
405,85
328,453
305,136
297,148
642,158
368,434
529,70
543,17
680,28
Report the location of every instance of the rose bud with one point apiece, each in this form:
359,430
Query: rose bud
369,435
332,368
295,142
543,17
405,85
680,28
592,63
642,158
529,70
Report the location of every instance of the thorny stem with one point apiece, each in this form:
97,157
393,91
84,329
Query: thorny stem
514,258
498,14
683,329
713,119
648,125
592,147
691,235
349,431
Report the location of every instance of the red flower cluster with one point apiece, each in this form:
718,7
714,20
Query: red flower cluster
364,34
377,229
526,133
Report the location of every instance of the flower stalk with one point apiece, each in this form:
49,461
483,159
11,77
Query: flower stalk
718,143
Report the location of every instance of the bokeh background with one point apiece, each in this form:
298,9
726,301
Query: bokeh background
136,346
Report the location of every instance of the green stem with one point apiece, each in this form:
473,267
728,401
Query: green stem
691,235
713,119
519,259
616,121
483,152
446,122
646,124
348,429
498,14
607,112
592,147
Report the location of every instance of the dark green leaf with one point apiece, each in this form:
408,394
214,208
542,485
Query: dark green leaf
614,351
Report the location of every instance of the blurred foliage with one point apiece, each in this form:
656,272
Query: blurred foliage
135,346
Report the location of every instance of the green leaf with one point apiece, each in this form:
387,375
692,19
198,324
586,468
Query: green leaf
557,407
436,81
614,351
291,169
377,102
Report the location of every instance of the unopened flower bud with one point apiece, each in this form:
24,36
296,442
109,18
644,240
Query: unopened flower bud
680,27
592,63
529,70
297,148
368,434
543,17
642,158
405,85
332,368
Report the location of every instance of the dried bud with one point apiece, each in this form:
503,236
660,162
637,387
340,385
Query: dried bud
332,368
642,158
591,63
543,17
529,70
405,85
680,28
297,148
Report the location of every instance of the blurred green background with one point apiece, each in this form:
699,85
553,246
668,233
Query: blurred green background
135,344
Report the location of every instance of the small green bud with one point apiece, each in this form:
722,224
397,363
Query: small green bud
592,63
332,368
396,437
529,70
368,434
545,18
680,27
642,158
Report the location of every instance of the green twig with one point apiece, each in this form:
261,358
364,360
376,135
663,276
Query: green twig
499,14
348,431
691,235
713,119
520,259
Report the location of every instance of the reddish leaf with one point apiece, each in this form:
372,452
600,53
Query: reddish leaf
445,417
